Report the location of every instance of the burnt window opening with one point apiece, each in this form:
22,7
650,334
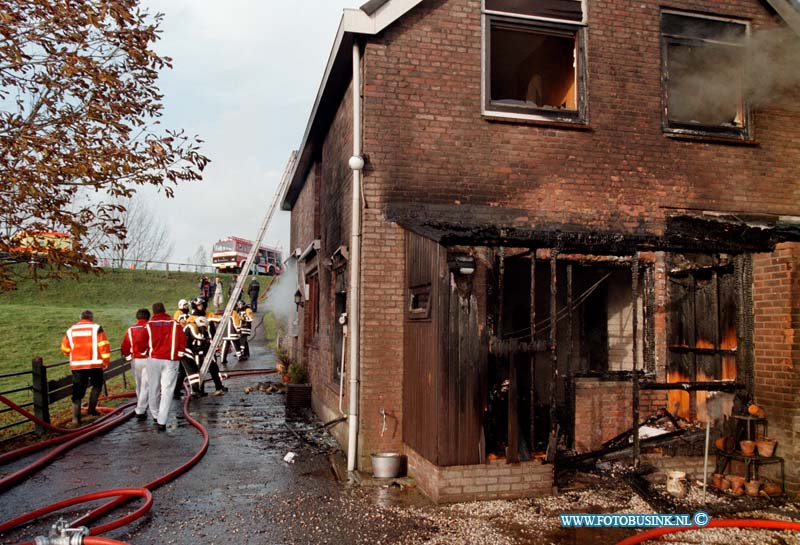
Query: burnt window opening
534,68
594,336
339,322
703,73
311,307
419,302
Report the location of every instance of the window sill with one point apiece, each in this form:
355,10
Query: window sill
520,119
712,139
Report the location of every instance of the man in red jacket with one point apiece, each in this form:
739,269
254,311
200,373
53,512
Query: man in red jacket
136,349
167,343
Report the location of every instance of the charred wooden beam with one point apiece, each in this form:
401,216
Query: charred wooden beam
553,338
532,431
681,232
599,453
509,347
635,381
694,386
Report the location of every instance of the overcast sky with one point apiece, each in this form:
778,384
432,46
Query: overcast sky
245,76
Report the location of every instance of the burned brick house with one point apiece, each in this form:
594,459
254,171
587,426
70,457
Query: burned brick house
517,222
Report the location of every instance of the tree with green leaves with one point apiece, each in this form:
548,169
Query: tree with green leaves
79,125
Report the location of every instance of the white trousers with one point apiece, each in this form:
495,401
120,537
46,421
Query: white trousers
139,367
161,378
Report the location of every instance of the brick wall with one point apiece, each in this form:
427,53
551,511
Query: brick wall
382,309
426,138
602,410
776,300
493,480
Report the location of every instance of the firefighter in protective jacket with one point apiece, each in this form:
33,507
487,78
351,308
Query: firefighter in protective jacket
246,327
198,341
89,354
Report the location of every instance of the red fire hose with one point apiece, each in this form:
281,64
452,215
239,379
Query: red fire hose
33,418
126,493
726,523
122,495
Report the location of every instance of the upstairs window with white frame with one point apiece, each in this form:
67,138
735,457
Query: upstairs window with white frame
534,60
703,61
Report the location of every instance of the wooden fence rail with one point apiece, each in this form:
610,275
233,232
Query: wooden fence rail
47,391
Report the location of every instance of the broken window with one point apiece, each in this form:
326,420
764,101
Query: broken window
703,62
311,306
339,322
419,306
534,66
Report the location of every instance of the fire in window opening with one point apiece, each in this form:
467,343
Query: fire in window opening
703,72
702,338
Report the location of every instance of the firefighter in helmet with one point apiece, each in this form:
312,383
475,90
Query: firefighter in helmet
246,327
198,342
182,313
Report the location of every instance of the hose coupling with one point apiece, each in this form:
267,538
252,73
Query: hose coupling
62,534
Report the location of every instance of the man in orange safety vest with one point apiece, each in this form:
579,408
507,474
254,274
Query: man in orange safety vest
89,354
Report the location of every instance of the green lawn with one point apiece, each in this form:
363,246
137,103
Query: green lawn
33,320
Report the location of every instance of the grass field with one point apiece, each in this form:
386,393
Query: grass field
33,321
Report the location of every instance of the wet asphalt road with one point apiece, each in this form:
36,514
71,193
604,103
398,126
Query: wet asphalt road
240,492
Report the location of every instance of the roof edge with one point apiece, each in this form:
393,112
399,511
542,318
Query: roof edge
787,12
375,16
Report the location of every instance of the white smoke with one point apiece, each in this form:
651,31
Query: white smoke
280,299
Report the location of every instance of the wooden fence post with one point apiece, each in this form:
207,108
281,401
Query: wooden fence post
41,397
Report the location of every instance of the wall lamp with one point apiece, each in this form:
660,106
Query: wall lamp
462,264
298,300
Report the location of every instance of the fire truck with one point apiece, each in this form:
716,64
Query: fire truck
35,245
230,253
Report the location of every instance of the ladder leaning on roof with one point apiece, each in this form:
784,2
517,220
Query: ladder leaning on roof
237,289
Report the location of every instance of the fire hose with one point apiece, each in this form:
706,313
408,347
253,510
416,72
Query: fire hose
122,495
726,523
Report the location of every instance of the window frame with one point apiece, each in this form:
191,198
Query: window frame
311,317
546,26
419,312
745,132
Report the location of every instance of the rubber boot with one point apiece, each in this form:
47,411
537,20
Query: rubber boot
93,396
76,413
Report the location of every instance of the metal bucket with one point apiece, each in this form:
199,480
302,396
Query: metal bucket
388,465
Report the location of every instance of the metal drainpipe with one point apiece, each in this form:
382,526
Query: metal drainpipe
356,164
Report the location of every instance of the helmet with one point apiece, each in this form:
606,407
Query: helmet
201,322
240,305
197,301
183,304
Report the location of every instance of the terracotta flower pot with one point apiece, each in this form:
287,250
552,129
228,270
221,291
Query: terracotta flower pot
752,487
756,411
766,447
737,484
716,480
773,488
748,447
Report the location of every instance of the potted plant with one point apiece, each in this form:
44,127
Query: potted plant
298,390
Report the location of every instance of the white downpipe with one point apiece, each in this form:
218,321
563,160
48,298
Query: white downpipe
356,163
